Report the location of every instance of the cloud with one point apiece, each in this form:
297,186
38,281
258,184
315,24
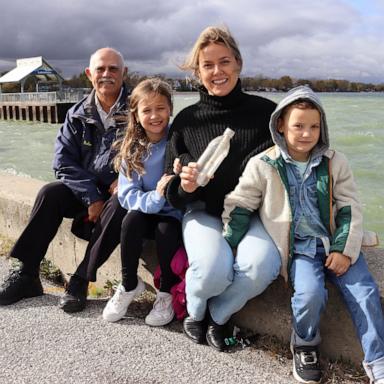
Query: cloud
319,39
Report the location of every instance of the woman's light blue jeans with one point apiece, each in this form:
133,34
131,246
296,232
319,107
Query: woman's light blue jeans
217,279
360,293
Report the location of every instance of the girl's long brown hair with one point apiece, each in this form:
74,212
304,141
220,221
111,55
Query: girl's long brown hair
135,144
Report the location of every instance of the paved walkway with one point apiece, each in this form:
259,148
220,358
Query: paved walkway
41,344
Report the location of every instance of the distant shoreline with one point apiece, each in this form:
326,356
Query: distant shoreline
196,92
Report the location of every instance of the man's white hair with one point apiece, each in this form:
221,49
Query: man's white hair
118,53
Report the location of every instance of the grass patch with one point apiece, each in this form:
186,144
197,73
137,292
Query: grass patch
109,287
5,246
50,272
97,292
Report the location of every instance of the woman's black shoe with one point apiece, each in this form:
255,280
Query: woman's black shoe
215,336
195,330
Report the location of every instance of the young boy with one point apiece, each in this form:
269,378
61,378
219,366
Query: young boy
307,201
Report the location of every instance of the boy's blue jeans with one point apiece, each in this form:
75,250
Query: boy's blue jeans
360,293
216,279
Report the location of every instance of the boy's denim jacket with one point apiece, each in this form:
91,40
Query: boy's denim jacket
307,223
264,187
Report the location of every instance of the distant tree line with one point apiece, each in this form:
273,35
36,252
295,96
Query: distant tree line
260,83
256,83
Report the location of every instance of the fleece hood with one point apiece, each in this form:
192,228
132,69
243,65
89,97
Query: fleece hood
295,94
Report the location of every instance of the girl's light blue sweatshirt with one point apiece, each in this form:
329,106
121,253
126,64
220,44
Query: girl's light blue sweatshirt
140,193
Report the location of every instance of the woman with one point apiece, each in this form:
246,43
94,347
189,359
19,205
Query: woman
217,284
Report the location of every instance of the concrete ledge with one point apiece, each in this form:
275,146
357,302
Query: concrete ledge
268,313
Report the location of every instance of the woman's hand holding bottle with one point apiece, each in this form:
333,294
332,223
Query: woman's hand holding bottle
188,177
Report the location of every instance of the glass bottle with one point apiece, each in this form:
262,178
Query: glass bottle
213,156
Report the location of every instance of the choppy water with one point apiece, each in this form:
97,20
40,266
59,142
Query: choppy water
356,123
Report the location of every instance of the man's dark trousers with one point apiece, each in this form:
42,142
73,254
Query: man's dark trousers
54,202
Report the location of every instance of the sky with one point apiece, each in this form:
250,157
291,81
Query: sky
339,39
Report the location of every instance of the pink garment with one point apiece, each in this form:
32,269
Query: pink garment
179,265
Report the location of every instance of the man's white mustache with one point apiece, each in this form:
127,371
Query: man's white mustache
106,80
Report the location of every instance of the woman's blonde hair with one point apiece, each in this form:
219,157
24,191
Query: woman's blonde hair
135,144
217,35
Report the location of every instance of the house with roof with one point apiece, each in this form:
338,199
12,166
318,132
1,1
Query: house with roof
47,103
36,69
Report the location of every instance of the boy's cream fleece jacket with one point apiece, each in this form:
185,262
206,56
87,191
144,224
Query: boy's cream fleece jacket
262,188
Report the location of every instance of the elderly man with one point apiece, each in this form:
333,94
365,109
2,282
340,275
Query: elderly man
85,190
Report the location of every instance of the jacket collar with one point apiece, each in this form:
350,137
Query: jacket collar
89,114
275,152
234,98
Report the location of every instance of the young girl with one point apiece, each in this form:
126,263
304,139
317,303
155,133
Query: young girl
141,184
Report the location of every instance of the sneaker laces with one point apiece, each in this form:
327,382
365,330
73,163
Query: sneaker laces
161,303
117,298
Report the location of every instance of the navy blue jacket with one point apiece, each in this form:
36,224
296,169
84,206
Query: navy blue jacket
83,153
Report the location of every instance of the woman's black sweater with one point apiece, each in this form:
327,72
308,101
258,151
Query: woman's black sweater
195,126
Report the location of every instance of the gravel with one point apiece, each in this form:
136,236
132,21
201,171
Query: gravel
39,343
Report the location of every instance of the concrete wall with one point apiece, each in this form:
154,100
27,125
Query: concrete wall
267,314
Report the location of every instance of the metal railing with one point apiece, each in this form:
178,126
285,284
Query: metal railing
43,97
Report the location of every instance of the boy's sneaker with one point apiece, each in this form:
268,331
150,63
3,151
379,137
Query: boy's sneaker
117,306
306,364
370,374
18,285
162,312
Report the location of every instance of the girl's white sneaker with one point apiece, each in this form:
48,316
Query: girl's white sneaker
118,304
162,312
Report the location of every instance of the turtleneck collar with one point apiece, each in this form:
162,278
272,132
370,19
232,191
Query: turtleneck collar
233,98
